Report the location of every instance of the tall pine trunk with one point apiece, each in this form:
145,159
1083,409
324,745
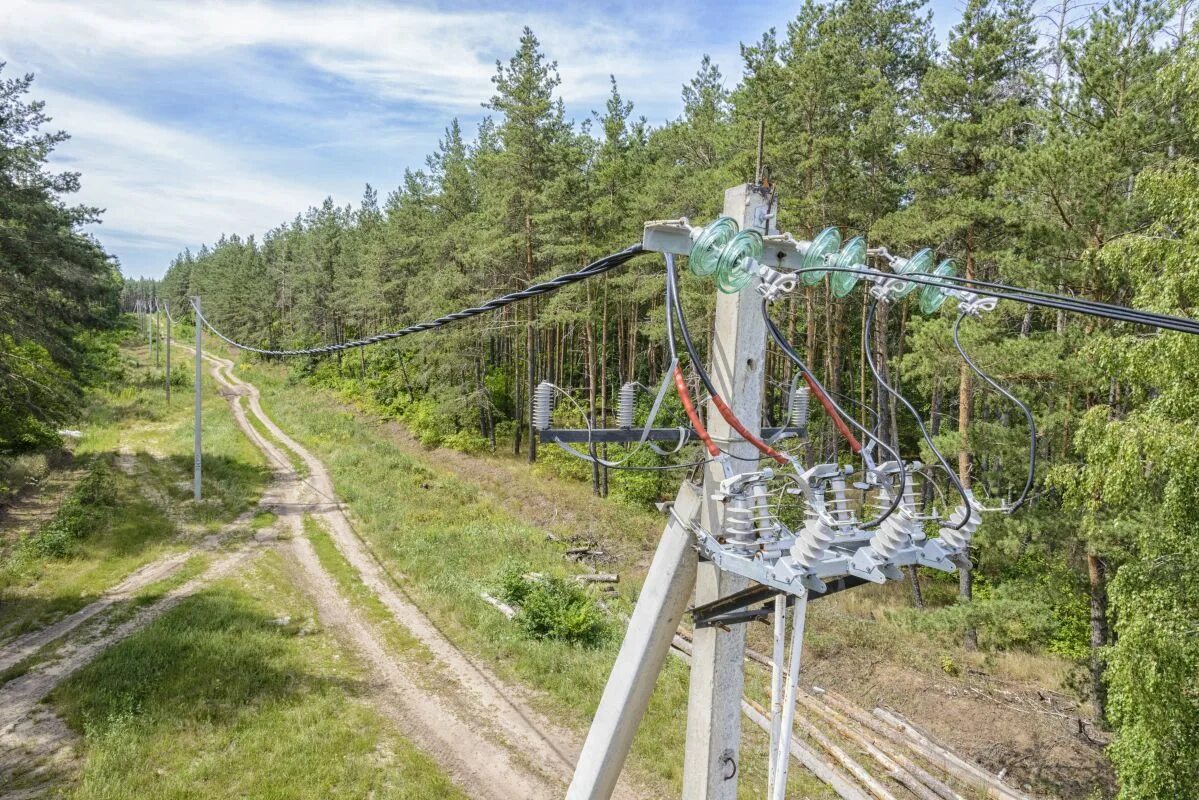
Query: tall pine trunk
965,407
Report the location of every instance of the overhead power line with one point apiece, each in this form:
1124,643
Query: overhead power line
599,267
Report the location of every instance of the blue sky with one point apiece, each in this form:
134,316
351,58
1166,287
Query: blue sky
193,119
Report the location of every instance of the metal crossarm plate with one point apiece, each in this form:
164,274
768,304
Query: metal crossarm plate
629,435
674,236
734,608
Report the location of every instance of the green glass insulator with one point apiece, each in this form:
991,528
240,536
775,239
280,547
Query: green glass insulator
932,297
733,271
822,247
919,264
852,256
705,252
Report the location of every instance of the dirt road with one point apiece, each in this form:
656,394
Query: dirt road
482,731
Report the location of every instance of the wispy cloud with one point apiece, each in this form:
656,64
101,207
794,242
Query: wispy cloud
193,119
144,172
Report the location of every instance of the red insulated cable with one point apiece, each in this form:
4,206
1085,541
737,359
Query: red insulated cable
834,415
732,420
680,386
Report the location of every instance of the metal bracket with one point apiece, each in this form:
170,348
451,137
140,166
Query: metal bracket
633,435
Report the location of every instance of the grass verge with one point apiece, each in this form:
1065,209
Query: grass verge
144,450
231,694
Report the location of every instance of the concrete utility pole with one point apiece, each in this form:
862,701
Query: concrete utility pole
714,709
710,767
199,410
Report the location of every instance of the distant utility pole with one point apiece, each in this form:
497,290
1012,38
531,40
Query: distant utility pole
710,770
199,410
168,355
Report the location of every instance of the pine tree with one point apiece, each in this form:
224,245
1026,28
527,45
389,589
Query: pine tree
532,132
57,280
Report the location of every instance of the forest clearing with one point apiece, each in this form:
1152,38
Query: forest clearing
827,432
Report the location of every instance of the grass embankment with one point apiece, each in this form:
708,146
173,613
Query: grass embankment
448,539
134,503
237,692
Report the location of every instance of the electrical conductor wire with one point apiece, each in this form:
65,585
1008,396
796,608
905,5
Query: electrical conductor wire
957,484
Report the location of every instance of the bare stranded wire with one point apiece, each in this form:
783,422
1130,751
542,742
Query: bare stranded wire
789,351
599,267
957,484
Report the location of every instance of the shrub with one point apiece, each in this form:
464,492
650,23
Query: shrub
553,608
427,424
553,460
85,509
513,587
467,441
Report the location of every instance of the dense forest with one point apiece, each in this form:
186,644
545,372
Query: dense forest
1052,147
58,288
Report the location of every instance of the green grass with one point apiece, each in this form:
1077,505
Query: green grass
450,539
396,636
262,520
133,415
224,696
297,463
35,591
129,426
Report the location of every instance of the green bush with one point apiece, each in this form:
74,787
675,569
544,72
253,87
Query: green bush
85,509
553,608
427,423
553,460
467,441
513,587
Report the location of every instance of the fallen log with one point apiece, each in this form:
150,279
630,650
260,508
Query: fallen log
505,609
598,577
918,781
872,784
994,787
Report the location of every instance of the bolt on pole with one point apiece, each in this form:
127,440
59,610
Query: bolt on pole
199,411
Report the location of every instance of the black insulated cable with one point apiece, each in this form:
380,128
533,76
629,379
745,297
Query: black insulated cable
1032,424
1044,299
789,351
605,264
1097,305
673,292
957,484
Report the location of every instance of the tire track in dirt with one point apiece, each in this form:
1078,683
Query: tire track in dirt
517,742
31,736
28,732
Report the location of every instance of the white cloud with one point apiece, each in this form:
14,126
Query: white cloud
187,118
164,186
439,58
